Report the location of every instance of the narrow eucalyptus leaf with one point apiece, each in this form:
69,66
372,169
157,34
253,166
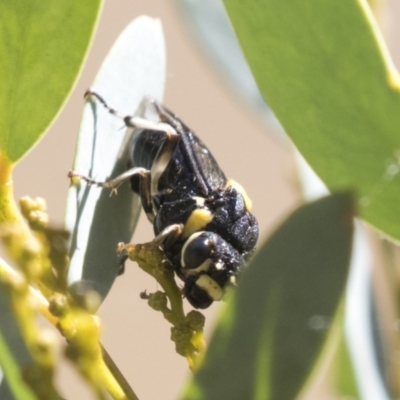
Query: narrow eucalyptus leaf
14,356
208,21
97,220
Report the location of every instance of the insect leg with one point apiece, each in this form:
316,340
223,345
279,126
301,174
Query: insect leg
121,264
163,157
113,184
134,122
164,153
169,235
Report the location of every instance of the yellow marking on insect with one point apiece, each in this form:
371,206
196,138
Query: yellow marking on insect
208,284
239,188
198,219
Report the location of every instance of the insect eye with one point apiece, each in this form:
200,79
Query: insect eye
196,251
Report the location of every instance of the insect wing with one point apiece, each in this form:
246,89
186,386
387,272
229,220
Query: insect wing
207,166
209,175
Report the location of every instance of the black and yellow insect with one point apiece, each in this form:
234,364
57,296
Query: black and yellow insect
201,219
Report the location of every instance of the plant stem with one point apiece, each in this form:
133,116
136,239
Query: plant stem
118,375
5,170
18,240
36,296
150,259
114,382
173,293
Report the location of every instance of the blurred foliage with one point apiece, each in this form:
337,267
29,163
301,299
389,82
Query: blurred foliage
273,329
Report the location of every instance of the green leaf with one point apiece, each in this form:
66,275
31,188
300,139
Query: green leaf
324,70
344,378
42,47
333,372
273,330
134,68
